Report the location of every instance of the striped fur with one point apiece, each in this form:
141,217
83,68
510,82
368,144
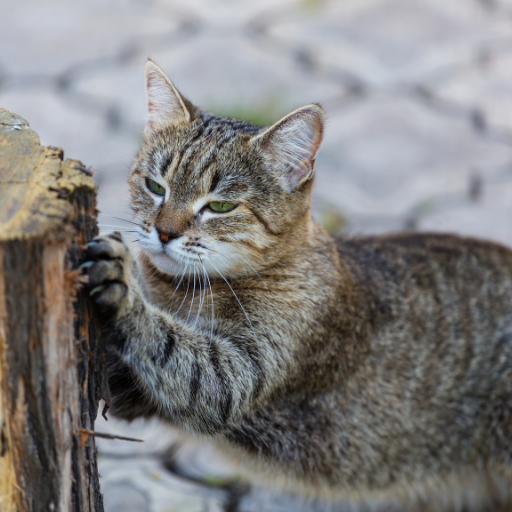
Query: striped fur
366,369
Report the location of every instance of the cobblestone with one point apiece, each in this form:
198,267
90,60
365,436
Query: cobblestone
484,86
419,136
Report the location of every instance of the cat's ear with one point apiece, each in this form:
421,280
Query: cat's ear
289,146
165,103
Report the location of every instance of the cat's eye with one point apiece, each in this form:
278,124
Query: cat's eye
155,187
219,207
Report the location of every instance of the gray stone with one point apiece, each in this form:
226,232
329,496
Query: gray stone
389,154
484,216
229,73
484,86
123,496
385,42
166,492
83,133
118,89
270,501
489,223
229,15
200,459
50,37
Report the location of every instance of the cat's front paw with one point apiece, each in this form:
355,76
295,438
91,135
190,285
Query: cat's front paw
109,266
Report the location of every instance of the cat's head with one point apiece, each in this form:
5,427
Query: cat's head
221,194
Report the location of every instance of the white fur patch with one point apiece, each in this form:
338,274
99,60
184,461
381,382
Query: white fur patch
218,258
201,202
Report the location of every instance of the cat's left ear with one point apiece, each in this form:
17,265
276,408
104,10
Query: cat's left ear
165,104
289,146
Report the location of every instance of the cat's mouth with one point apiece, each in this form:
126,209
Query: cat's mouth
165,262
190,253
175,255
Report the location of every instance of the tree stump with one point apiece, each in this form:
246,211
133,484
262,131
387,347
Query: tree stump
52,362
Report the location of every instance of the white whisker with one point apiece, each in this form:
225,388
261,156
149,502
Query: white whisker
176,274
193,293
154,273
211,296
120,219
201,297
181,279
254,270
117,227
236,297
186,293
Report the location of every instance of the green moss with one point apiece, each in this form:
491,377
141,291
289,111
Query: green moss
331,218
264,113
312,5
216,481
425,207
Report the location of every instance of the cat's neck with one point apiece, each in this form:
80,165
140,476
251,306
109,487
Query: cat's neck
296,244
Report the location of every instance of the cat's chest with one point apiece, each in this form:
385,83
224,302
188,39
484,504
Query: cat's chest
194,300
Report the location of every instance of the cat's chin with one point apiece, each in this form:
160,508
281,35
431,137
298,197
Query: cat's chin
164,263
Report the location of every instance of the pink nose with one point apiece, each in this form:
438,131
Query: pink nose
167,236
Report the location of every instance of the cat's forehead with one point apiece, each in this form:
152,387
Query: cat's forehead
184,151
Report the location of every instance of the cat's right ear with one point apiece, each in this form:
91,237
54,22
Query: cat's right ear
289,147
165,104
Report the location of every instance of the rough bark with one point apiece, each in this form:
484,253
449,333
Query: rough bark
52,364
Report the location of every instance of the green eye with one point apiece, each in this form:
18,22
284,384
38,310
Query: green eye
221,207
155,187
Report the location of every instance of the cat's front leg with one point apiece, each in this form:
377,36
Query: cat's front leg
161,365
114,286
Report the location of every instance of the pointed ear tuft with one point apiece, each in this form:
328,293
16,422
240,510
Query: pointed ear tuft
290,146
165,103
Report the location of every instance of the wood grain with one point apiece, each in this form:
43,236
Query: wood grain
52,362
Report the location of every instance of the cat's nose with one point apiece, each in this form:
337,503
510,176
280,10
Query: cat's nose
167,236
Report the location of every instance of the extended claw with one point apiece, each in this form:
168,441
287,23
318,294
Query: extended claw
98,289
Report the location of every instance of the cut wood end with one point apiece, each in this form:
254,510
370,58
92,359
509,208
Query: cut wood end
36,184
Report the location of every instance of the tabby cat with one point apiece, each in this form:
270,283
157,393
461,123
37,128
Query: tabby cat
362,369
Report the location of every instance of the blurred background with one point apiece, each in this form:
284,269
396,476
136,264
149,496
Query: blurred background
418,95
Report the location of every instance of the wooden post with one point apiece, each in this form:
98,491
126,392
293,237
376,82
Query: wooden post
52,364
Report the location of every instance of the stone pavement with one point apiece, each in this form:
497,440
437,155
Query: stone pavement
419,101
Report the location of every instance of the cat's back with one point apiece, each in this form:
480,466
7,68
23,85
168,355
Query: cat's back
433,289
440,310
447,269
439,362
